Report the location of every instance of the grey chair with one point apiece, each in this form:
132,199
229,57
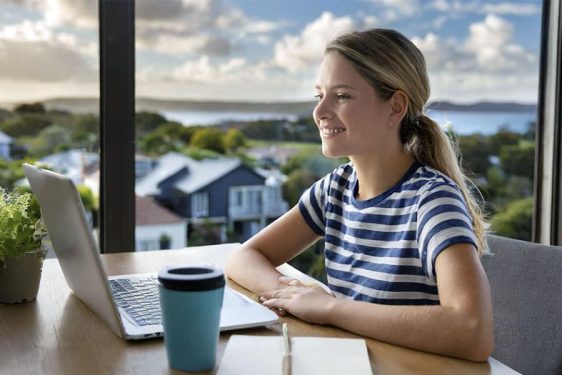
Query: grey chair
526,283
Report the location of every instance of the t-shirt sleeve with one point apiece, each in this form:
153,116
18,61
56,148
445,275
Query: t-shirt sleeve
442,220
312,205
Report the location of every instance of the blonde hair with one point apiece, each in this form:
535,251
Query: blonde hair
391,62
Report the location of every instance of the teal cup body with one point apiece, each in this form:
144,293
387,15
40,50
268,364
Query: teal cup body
191,299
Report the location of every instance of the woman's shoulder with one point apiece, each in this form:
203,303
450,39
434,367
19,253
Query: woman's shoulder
428,179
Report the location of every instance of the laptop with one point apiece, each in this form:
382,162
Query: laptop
129,304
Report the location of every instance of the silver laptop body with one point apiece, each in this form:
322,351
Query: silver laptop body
78,255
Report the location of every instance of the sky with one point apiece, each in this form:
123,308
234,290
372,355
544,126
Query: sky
266,50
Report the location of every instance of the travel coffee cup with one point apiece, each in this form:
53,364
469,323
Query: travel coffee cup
191,300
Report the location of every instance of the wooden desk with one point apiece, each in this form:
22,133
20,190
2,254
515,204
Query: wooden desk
57,334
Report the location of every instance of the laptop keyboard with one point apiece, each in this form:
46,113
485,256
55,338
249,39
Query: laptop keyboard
140,298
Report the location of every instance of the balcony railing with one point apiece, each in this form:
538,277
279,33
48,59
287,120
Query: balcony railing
271,209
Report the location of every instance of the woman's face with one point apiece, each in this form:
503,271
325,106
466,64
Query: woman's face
352,119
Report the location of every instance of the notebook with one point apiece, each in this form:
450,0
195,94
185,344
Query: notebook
78,255
310,355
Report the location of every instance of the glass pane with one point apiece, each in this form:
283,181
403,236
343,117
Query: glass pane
235,79
49,90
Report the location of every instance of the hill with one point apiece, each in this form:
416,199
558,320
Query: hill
91,105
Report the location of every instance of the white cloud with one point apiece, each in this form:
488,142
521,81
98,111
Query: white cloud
521,9
397,8
32,51
504,8
491,42
172,44
300,52
204,70
487,64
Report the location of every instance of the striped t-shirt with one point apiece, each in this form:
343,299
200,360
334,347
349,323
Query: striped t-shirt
383,249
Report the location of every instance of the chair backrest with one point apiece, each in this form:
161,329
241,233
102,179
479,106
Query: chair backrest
526,283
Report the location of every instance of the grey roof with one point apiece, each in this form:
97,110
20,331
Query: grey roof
71,163
5,138
200,173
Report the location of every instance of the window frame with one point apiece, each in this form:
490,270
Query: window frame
117,129
547,211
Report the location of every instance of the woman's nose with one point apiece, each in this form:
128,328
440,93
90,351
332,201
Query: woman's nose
321,111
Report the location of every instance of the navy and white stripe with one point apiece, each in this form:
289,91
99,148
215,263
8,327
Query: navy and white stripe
383,250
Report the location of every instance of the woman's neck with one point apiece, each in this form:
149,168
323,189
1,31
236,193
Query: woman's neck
377,175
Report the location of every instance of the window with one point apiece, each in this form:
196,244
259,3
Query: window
49,94
200,204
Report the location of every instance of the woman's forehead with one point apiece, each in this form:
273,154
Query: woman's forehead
336,72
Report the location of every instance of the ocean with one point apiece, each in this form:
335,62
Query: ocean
462,122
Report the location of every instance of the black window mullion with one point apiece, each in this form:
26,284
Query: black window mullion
117,116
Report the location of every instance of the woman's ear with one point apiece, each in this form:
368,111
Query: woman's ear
399,107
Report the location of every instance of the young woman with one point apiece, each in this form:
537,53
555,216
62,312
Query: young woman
402,232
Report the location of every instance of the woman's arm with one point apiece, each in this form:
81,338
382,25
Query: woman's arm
461,326
252,265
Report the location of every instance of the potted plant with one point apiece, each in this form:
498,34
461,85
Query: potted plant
21,246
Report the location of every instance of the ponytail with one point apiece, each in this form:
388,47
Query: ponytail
425,141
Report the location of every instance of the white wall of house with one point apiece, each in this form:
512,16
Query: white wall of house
147,237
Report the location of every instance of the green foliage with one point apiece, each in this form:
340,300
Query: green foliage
205,233
170,136
516,220
10,172
209,139
200,154
234,140
87,197
503,137
37,108
146,122
24,125
21,230
519,159
475,150
54,137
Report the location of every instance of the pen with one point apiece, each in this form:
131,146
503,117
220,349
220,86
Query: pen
287,355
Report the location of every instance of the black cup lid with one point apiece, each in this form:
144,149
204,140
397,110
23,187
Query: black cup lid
191,278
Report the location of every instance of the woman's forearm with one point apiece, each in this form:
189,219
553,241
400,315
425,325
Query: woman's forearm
437,329
252,270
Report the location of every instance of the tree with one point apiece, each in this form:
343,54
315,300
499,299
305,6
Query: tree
503,137
519,159
24,125
475,151
170,136
34,108
515,221
234,140
146,122
208,138
52,138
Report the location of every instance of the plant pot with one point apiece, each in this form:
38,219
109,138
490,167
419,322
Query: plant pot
20,277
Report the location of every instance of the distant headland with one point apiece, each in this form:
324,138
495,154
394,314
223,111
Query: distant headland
91,105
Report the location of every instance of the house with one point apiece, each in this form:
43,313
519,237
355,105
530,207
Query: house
222,192
72,163
6,144
157,227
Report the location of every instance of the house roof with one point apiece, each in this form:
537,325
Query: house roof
200,173
148,212
5,138
71,163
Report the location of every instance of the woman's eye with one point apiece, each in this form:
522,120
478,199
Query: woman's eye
318,97
342,97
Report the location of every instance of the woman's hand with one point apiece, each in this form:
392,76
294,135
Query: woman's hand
307,302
